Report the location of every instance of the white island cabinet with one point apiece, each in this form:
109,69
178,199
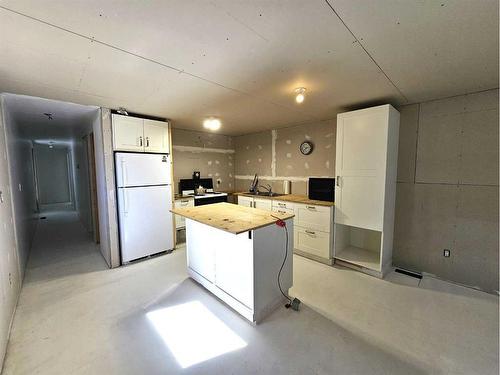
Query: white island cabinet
236,253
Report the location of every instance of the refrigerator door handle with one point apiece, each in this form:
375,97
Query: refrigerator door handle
125,201
124,172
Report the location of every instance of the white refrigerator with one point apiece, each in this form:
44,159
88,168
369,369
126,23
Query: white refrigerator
144,193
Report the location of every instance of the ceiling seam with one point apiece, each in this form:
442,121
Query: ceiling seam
366,51
180,71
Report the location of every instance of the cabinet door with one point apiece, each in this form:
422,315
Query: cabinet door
245,201
156,136
180,221
127,133
360,163
312,241
263,204
234,266
200,248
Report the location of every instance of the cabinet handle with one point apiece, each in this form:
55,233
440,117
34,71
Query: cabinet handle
147,141
140,141
310,232
282,212
311,207
282,204
337,180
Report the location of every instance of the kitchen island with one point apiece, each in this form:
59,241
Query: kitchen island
236,253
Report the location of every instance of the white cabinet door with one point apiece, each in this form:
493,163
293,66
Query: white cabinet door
156,136
312,241
245,201
200,247
360,163
234,266
180,221
128,133
263,204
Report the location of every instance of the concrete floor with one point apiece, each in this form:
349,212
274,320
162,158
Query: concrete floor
77,317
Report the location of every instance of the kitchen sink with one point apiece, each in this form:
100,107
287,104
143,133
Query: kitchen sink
266,194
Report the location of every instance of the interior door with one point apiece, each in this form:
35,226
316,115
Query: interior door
146,222
360,163
156,136
128,133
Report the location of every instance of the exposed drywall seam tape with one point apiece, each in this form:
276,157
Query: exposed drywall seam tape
274,135
278,178
203,149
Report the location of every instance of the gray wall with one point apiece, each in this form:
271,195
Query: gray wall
17,206
211,154
53,168
82,183
447,191
275,156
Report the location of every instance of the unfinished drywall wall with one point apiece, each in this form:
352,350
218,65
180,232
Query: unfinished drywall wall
82,183
211,154
54,169
275,156
447,191
10,280
106,191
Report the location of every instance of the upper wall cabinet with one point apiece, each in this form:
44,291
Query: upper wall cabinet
140,135
366,166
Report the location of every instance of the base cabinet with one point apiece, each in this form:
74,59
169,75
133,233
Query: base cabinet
180,221
313,225
241,269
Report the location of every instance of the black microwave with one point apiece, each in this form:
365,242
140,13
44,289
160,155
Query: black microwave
322,189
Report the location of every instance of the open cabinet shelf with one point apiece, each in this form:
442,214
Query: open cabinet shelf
358,246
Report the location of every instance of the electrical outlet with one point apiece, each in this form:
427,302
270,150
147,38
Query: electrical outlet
219,181
446,253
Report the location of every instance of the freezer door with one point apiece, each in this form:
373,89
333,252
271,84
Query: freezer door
145,220
139,169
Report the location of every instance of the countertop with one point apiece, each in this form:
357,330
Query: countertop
230,217
290,198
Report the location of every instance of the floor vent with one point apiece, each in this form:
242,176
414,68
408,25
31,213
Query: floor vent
409,273
43,218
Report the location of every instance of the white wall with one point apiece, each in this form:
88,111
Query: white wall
14,244
82,184
53,166
105,175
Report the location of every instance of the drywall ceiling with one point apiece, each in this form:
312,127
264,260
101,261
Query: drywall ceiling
241,60
68,120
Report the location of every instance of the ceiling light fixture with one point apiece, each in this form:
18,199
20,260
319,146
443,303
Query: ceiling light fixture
49,115
211,123
300,91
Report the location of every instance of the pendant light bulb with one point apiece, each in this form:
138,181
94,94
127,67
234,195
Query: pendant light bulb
300,94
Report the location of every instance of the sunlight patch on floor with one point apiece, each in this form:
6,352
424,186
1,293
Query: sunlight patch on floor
193,334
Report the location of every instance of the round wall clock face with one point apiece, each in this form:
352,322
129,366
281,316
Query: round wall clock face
306,147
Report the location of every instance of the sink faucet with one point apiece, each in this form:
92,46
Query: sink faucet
267,187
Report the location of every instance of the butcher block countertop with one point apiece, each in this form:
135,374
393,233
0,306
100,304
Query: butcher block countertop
230,217
290,198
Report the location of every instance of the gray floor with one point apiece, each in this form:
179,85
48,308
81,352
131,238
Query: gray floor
77,317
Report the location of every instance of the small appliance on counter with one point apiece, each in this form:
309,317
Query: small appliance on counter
321,189
202,189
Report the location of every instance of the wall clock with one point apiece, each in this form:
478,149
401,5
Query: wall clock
306,147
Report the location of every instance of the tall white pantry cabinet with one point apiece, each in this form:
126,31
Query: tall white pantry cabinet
365,192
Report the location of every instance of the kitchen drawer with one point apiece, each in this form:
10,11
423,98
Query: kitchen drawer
314,242
283,204
282,210
180,221
313,217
